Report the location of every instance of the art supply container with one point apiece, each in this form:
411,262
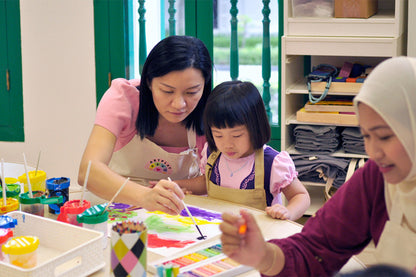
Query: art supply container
37,181
7,222
22,251
35,205
96,219
71,209
10,180
13,190
11,205
128,251
5,234
57,187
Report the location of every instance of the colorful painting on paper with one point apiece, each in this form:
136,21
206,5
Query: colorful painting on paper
169,234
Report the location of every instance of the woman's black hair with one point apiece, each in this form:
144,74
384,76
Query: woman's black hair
236,103
174,53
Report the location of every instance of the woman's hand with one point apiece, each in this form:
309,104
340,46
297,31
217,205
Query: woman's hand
248,248
152,184
278,211
166,196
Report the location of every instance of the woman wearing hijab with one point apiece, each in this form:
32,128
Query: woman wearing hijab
377,203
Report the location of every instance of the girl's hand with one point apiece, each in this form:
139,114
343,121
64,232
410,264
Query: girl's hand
248,248
165,196
278,211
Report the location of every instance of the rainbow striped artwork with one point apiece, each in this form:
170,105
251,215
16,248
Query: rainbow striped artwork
169,234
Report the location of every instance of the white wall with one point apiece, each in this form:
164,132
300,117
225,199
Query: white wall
58,85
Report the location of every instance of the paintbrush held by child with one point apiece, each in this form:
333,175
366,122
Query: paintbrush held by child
237,163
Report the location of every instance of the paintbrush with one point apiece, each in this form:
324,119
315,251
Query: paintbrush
115,195
190,215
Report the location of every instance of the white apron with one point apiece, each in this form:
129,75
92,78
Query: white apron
397,245
144,161
255,198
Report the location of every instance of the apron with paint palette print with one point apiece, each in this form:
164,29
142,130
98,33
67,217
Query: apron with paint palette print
144,161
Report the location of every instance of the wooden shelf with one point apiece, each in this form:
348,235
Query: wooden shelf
300,88
309,41
290,120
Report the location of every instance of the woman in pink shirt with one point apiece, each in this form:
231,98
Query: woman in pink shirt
151,129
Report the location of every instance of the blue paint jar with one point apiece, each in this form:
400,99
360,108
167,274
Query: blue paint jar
57,187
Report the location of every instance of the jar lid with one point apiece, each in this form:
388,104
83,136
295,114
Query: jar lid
74,206
21,245
11,205
94,215
13,190
7,221
5,234
57,183
10,180
39,198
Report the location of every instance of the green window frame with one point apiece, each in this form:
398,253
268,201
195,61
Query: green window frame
11,95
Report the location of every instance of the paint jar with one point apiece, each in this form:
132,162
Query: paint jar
128,250
35,205
71,209
13,190
10,180
95,218
11,205
58,187
7,222
5,234
37,180
22,251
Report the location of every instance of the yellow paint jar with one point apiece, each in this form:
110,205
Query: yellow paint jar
12,204
22,251
37,181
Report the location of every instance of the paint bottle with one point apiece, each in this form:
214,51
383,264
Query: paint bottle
71,209
22,251
96,218
5,235
57,187
35,205
37,180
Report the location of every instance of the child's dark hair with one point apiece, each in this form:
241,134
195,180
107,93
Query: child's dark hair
237,103
174,53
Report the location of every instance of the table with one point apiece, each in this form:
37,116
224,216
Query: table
271,228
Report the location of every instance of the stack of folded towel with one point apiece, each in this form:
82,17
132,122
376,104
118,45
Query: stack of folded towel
316,139
352,140
317,168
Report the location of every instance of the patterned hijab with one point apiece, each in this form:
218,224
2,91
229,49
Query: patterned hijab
390,90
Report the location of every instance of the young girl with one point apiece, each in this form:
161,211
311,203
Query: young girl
239,167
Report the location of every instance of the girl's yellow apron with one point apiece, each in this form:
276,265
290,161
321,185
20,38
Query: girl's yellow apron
143,161
255,198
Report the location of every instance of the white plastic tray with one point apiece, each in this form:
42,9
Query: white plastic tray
64,249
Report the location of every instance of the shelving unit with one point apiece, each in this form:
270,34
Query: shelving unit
333,41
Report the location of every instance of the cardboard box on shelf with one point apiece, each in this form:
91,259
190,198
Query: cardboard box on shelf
355,8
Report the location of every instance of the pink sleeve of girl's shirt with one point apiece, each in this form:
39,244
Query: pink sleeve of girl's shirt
118,109
204,158
282,174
